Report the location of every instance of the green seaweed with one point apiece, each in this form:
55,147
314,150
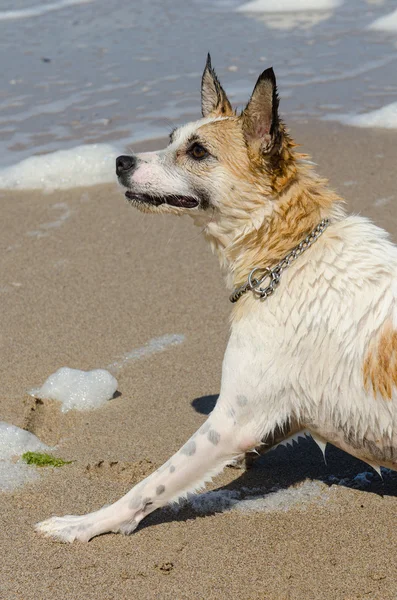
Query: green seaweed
44,460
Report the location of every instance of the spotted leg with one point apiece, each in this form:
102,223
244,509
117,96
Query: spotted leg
248,410
206,453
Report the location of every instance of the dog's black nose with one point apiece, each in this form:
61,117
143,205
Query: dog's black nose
125,163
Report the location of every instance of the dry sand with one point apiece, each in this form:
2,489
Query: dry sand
105,281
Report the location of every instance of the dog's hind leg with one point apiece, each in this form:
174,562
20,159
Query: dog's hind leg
375,448
220,439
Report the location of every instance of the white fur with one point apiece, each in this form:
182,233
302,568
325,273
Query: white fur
297,357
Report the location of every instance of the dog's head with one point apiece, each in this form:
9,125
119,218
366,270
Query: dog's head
225,164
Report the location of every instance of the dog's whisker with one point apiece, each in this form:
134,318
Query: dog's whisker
170,124
149,225
172,234
142,220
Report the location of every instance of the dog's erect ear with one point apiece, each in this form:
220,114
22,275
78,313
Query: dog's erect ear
260,116
214,102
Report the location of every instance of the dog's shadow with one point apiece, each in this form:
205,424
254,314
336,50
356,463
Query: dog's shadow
205,404
280,469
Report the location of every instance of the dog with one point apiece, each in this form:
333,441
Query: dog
313,342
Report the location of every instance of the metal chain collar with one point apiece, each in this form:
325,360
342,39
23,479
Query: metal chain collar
273,275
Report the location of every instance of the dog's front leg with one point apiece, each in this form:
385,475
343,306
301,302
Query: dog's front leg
206,453
248,411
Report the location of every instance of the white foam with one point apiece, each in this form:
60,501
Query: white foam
276,500
383,201
363,479
385,117
80,390
37,11
271,6
152,347
217,501
286,21
386,23
80,166
14,475
44,228
13,443
283,500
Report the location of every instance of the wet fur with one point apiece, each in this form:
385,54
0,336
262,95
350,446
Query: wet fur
321,353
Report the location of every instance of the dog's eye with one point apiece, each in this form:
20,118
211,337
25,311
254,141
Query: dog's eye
198,152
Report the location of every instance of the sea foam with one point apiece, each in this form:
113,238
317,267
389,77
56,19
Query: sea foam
386,23
80,166
299,497
153,346
385,117
80,390
39,10
13,443
269,6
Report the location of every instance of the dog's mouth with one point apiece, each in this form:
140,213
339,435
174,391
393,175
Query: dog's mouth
170,199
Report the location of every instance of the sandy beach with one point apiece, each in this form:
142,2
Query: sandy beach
85,279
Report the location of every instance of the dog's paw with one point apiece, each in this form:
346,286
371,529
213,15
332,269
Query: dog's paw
66,529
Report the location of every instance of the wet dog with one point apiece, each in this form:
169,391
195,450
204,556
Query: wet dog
313,343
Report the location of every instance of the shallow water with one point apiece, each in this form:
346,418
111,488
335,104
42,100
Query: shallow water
77,71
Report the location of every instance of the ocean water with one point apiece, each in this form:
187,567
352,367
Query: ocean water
78,72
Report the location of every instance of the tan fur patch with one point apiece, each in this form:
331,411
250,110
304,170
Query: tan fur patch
300,204
224,140
269,175
380,363
300,198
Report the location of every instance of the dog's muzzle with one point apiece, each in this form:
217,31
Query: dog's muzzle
125,166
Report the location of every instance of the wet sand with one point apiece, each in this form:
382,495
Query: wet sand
105,279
